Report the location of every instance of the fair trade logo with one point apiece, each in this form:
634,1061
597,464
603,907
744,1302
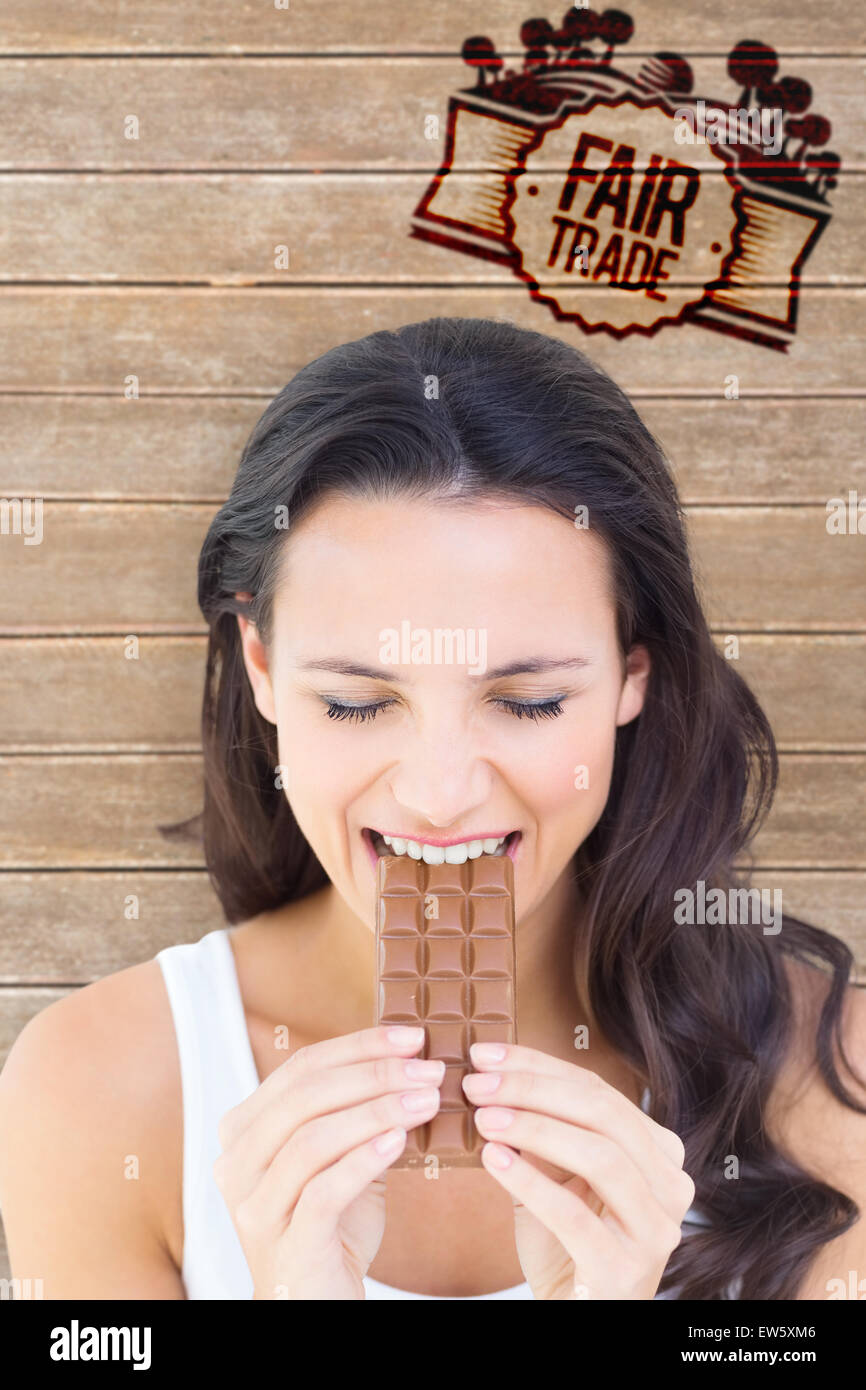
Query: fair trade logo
625,215
624,200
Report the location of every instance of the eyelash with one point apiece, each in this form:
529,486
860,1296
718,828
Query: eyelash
547,709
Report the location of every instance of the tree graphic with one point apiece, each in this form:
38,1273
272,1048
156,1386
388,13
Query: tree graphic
536,58
588,38
561,40
614,27
796,95
809,130
752,65
790,95
480,52
581,26
581,22
793,96
537,36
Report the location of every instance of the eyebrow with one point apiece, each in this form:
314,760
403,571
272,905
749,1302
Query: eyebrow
526,666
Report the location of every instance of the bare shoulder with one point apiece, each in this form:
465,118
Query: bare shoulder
91,1119
823,1134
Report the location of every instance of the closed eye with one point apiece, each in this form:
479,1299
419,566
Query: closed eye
358,712
529,709
537,709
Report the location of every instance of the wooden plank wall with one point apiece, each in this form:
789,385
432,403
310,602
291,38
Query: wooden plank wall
155,258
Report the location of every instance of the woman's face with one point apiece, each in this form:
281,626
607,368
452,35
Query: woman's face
502,725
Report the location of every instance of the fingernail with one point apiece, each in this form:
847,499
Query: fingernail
420,1100
494,1117
403,1037
482,1084
487,1052
497,1156
419,1070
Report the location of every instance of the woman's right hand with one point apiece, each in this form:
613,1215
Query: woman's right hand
304,1157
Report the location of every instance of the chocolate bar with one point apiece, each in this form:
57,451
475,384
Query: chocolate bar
446,960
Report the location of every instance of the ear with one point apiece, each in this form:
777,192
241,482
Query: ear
637,670
256,662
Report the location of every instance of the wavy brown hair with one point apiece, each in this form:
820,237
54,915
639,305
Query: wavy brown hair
473,407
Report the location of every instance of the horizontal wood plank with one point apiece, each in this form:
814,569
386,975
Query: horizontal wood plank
72,928
80,811
175,449
252,341
103,812
813,688
244,113
224,228
308,27
94,567
131,567
82,694
777,567
108,447
752,449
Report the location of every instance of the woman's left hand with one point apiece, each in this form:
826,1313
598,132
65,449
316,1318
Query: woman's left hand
600,1214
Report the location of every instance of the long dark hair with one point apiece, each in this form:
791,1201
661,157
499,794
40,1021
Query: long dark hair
473,407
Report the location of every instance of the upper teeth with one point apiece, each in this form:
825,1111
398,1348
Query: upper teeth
444,854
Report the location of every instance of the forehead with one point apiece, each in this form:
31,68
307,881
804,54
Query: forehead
352,567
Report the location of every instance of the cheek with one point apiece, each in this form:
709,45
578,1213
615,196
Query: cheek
325,763
569,775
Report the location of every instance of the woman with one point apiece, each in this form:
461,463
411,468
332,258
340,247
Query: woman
673,1120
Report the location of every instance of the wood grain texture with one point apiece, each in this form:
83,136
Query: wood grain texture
241,113
72,927
754,449
79,694
813,688
103,812
780,568
252,341
226,228
98,558
131,568
308,27
77,927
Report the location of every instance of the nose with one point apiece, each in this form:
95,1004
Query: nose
441,779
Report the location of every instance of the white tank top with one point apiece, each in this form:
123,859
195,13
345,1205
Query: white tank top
218,1071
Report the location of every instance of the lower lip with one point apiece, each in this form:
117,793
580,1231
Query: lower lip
511,851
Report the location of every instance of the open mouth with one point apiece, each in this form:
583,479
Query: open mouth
456,853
